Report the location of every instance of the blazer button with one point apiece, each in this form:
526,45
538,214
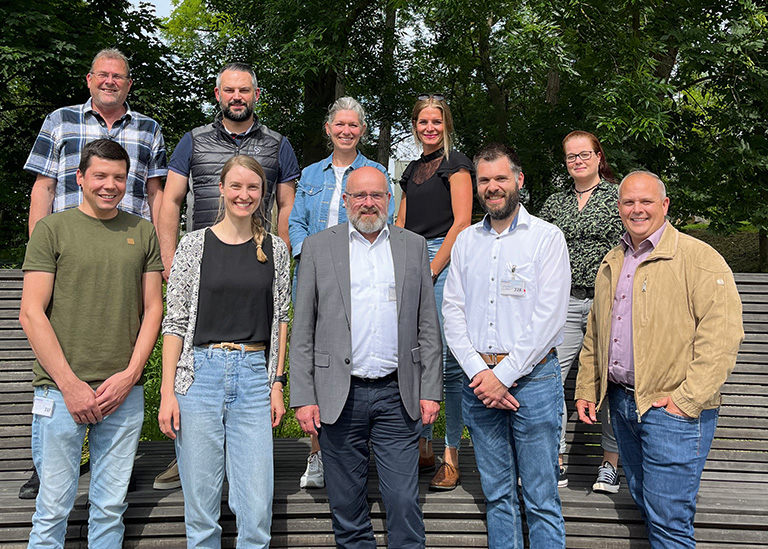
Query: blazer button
346,361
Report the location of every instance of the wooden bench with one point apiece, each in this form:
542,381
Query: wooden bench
732,507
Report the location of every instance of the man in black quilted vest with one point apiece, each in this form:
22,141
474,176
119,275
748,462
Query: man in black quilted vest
198,158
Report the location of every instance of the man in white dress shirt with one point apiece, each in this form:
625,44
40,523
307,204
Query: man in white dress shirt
366,362
505,306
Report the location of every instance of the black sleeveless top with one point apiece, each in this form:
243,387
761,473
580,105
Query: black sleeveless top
235,303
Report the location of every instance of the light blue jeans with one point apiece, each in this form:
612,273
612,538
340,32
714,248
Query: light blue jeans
521,444
225,423
57,443
568,355
453,376
663,456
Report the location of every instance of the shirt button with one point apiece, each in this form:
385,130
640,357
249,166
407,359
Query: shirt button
627,276
623,297
491,323
491,301
615,340
346,361
615,362
618,318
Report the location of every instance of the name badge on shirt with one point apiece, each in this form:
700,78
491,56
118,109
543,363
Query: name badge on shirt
392,293
512,287
42,406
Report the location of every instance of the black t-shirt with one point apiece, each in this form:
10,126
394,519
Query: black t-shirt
235,302
425,183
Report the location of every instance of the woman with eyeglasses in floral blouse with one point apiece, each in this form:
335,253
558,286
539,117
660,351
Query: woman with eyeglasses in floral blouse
587,213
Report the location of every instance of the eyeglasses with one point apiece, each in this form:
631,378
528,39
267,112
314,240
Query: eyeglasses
361,197
119,78
584,155
435,96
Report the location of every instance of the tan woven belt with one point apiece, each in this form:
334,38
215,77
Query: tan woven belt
247,347
493,359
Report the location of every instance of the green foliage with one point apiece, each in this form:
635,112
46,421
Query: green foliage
45,53
153,376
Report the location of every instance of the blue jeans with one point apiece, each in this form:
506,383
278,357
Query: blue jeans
225,422
374,413
453,376
568,355
57,443
663,456
523,443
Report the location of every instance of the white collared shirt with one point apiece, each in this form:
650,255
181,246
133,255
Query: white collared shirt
374,305
507,293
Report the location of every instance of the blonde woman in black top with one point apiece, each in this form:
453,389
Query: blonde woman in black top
437,204
223,353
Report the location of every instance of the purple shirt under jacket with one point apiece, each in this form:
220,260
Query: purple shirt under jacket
621,359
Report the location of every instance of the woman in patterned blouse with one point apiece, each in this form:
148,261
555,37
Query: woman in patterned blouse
223,352
587,213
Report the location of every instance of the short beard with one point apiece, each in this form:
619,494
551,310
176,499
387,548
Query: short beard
511,201
236,117
368,227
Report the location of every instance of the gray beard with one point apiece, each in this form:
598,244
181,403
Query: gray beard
368,227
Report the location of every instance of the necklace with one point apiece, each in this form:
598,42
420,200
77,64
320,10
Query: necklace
579,193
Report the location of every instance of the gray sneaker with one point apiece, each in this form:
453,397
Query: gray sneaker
314,476
168,479
562,480
607,479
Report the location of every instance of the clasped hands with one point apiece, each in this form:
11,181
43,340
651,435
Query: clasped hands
492,392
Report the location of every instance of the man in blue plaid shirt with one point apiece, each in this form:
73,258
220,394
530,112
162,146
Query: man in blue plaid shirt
56,153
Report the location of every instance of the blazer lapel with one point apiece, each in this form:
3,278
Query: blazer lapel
340,257
399,255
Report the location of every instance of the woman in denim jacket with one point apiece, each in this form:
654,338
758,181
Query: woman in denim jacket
319,205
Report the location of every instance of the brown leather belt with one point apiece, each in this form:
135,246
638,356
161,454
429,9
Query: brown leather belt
247,347
494,358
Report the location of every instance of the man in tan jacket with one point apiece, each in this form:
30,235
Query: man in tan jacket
662,338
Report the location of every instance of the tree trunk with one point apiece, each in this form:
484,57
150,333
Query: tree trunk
553,87
388,97
495,92
763,251
319,94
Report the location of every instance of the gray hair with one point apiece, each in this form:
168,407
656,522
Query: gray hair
662,187
237,67
112,53
346,104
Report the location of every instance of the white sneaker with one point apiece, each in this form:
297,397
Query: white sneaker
313,477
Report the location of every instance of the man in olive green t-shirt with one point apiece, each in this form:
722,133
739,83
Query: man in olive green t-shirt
91,308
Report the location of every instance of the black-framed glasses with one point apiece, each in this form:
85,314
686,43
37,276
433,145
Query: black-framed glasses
584,155
435,96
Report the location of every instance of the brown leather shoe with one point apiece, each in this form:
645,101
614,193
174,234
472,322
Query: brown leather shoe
427,464
446,478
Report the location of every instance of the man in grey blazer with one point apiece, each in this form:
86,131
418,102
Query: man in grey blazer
366,361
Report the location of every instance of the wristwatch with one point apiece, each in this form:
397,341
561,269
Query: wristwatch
282,379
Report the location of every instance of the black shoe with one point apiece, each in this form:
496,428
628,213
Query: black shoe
132,483
30,488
